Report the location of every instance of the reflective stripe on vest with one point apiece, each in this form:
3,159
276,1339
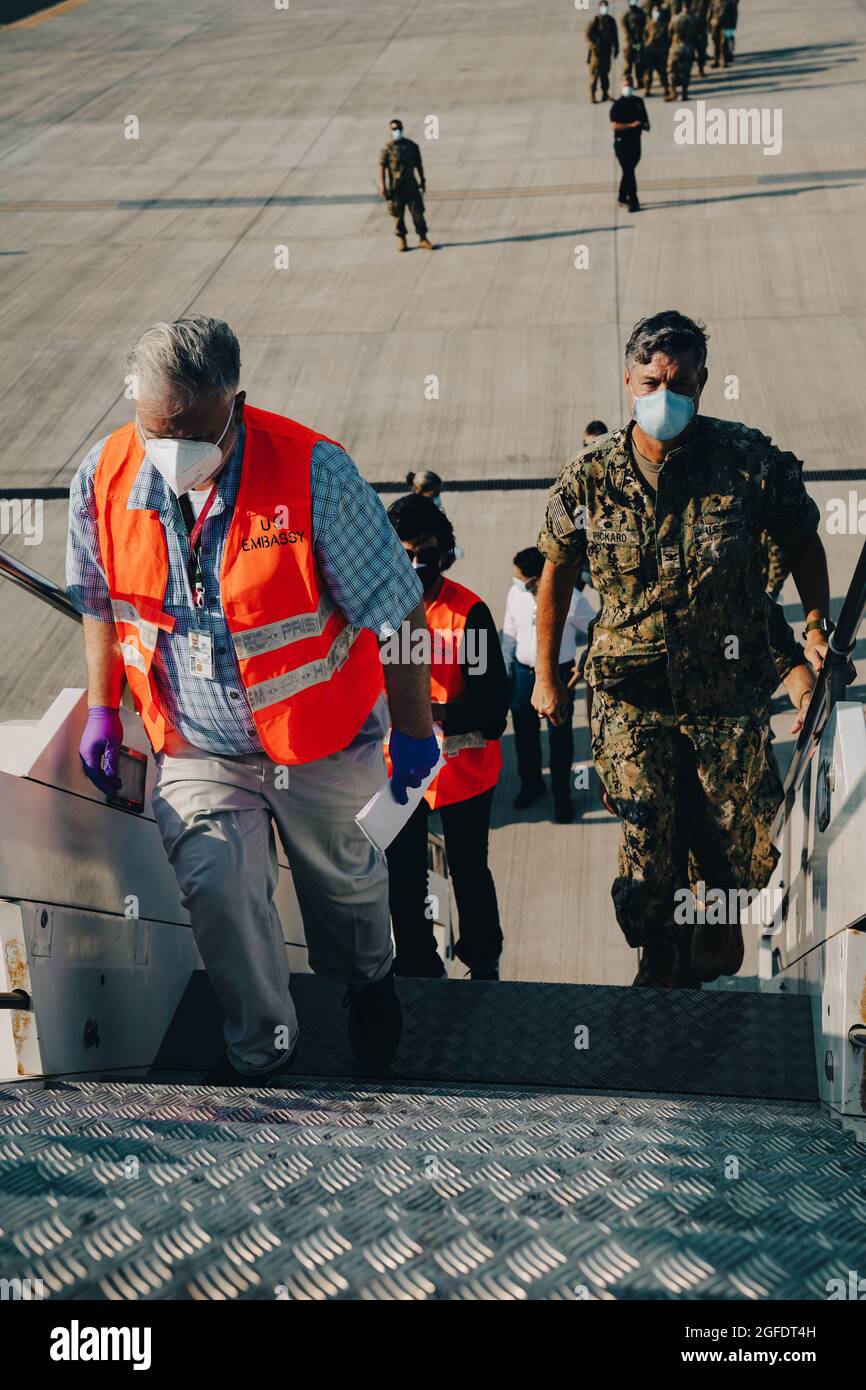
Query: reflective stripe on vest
314,673
125,612
255,640
453,743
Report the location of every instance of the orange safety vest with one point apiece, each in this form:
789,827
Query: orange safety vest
311,679
472,762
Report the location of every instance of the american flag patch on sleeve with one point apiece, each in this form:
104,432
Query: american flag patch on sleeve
558,520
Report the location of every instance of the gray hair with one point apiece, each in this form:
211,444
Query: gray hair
180,361
669,332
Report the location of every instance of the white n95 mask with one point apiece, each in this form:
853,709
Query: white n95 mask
185,463
663,414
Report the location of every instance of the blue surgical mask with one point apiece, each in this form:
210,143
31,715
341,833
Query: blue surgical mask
663,414
396,135
519,584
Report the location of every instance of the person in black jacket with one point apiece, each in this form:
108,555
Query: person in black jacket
629,118
469,692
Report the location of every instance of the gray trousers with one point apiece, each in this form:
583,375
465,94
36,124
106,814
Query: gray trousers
217,817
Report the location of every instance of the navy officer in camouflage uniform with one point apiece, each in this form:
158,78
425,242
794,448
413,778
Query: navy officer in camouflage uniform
668,513
402,184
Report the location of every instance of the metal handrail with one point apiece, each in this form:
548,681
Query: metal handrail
830,686
44,589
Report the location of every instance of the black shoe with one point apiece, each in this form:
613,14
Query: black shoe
529,792
432,969
484,972
563,811
224,1074
634,206
375,1021
623,202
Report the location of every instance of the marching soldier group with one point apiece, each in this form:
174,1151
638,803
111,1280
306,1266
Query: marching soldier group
660,38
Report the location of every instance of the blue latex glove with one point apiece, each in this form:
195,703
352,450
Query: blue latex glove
100,746
411,760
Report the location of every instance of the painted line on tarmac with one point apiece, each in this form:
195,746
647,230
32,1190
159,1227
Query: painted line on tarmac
444,196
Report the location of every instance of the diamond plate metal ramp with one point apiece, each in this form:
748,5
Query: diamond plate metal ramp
595,1037
327,1191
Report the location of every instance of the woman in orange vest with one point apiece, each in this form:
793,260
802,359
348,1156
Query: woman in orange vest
469,696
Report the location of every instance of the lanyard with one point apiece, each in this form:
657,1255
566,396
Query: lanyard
196,582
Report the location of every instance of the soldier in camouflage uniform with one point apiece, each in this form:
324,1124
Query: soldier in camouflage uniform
700,11
656,45
722,18
681,54
399,164
602,45
669,524
633,27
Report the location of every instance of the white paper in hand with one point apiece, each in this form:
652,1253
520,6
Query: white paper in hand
383,818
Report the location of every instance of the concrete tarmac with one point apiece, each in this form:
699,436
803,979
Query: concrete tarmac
162,159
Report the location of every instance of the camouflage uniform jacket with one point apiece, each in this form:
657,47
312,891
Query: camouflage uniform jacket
633,25
656,34
679,572
601,34
398,159
683,32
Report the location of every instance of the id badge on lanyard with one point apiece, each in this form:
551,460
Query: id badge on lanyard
199,639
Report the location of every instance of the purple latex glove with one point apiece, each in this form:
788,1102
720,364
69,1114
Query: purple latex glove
100,746
411,760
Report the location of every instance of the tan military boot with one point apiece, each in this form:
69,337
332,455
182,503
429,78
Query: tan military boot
428,246
403,246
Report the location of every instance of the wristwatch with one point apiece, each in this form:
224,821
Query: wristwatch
818,625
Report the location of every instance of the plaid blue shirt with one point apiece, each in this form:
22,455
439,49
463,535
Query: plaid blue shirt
361,563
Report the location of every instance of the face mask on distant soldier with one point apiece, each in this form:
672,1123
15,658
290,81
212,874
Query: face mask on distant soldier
602,9
396,135
626,92
663,414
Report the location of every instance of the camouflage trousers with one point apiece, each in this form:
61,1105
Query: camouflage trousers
722,51
765,803
599,71
655,62
680,60
683,790
402,198
633,63
701,39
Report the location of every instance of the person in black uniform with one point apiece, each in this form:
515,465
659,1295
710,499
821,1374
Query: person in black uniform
629,118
